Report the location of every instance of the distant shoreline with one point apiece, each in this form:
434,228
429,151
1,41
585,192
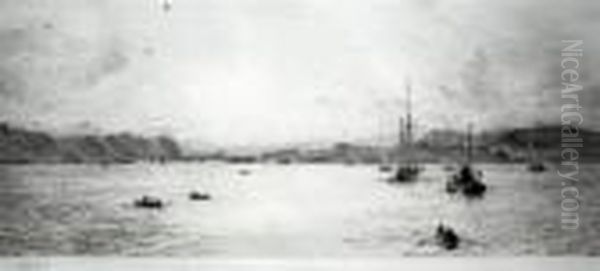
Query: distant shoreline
18,146
21,146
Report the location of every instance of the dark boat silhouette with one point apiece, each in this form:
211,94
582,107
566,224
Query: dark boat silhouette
446,238
197,196
537,167
406,173
409,171
149,202
467,180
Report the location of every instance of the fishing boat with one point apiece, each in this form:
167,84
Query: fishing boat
198,196
408,171
149,202
467,180
446,237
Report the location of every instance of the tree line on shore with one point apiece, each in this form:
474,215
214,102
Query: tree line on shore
19,145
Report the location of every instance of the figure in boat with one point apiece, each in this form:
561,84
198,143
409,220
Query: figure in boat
467,180
410,170
446,237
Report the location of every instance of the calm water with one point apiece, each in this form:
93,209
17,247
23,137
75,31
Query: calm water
284,211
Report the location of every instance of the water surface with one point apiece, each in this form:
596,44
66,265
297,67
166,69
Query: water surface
284,211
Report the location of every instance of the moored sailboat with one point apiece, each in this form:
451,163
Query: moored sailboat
409,170
467,180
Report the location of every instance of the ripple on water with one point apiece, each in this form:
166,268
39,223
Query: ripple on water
294,210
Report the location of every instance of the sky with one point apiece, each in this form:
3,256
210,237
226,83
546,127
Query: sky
273,72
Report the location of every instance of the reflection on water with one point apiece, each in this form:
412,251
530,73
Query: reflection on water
284,211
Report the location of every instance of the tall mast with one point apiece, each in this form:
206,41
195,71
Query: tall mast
401,133
409,124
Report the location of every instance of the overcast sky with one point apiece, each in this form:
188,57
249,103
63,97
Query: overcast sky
260,72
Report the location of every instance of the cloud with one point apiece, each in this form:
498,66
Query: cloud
46,61
311,69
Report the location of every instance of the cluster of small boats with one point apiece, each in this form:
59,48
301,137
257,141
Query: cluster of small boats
153,202
466,180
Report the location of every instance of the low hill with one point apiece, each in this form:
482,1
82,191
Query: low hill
513,144
548,139
18,145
